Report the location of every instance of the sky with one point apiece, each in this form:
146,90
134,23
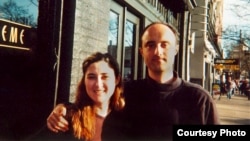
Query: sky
27,4
236,17
236,12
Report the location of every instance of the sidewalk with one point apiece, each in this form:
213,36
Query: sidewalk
235,111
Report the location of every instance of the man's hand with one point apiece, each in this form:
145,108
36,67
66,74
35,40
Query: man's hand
56,121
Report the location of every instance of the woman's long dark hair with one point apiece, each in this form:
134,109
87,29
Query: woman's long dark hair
83,119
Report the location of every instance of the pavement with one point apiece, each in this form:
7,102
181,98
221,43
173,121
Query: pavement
235,111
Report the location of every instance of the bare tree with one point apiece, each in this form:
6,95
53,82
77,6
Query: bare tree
11,11
34,2
234,35
237,36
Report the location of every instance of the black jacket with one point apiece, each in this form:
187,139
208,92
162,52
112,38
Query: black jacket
152,109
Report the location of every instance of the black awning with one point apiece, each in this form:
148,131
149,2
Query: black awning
179,5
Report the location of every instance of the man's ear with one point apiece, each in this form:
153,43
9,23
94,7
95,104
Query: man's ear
140,50
176,49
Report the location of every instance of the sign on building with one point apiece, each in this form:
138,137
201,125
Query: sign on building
15,35
226,61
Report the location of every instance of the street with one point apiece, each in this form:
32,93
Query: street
235,111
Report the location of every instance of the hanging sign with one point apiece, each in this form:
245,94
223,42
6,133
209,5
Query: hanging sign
226,61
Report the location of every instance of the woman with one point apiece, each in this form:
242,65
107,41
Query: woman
98,92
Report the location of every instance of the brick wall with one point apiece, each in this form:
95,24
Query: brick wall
91,35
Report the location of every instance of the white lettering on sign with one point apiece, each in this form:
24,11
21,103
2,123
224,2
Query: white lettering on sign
4,32
21,36
13,34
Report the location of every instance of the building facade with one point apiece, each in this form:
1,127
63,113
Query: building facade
46,71
115,28
207,27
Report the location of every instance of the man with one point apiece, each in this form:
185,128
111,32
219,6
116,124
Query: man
153,105
229,87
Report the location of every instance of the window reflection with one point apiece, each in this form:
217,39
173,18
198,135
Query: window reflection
129,47
113,34
20,11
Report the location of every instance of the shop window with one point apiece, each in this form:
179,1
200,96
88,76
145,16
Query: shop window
123,39
113,34
129,44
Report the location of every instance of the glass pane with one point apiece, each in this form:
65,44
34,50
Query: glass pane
113,34
129,47
18,21
20,11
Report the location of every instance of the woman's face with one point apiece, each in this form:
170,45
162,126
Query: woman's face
100,82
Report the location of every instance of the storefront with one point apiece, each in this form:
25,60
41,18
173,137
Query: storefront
29,44
42,48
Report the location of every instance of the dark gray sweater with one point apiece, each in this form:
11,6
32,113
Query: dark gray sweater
152,109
